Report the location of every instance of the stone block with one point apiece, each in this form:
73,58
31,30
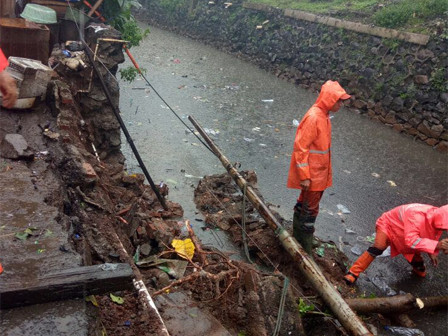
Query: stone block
398,127
14,146
390,118
442,146
360,104
158,230
412,131
425,128
88,170
436,131
432,142
421,79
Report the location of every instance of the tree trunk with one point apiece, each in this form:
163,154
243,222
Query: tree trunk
396,304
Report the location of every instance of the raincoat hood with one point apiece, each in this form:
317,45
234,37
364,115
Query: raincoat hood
439,218
330,93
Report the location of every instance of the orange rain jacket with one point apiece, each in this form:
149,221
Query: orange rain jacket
311,157
414,228
3,61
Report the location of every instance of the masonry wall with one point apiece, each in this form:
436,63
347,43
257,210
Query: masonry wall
398,83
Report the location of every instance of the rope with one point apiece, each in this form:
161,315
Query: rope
243,226
281,308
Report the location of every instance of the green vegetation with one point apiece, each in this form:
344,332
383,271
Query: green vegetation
439,80
409,14
130,73
119,11
304,308
413,12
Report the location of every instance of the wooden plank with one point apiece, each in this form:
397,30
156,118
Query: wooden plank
68,284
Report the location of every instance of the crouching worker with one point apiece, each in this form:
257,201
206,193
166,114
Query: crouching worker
409,230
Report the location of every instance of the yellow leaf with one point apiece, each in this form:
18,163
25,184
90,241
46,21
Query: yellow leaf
91,298
184,248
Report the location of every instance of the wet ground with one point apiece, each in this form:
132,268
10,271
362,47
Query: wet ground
26,187
251,113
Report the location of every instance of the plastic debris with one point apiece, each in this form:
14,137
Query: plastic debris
268,100
382,285
184,248
402,331
137,254
127,323
347,171
116,299
256,129
357,250
320,251
108,267
171,181
295,123
248,139
192,176
176,61
376,175
386,253
349,231
91,298
392,183
368,239
343,209
263,145
211,131
25,234
39,251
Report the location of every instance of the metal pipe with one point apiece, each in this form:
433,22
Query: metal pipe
123,126
351,322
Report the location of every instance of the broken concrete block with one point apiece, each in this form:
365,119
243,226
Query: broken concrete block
14,146
88,170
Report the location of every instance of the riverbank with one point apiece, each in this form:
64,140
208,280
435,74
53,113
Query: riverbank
395,82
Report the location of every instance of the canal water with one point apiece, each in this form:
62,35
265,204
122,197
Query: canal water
250,114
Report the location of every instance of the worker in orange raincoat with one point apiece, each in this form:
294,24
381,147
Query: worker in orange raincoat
8,85
310,168
8,89
409,230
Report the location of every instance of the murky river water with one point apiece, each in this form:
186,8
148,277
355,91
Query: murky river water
252,113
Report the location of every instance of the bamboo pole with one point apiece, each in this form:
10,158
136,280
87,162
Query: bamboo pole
351,322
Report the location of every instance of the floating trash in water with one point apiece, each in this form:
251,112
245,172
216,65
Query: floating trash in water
402,331
349,231
376,175
192,176
248,140
392,183
295,123
382,285
210,131
343,209
256,129
268,100
357,250
331,117
368,239
347,171
263,145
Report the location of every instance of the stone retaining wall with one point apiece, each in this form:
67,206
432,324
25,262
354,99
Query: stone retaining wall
401,84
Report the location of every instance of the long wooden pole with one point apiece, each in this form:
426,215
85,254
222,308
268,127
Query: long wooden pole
350,321
95,7
397,304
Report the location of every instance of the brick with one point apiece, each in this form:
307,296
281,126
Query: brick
88,170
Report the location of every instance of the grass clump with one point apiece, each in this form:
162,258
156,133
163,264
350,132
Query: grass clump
402,13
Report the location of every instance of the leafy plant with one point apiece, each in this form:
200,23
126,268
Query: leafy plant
120,14
130,73
304,308
439,80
